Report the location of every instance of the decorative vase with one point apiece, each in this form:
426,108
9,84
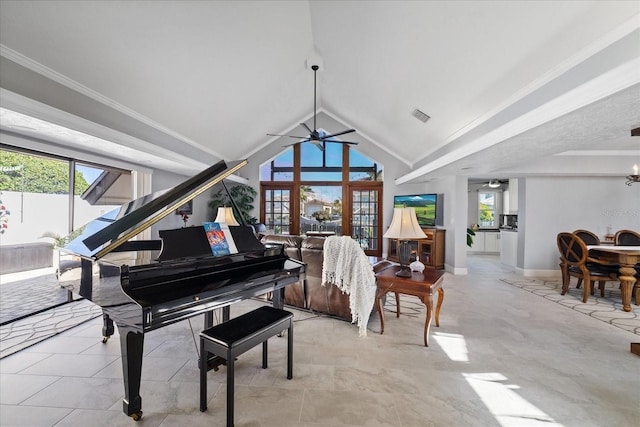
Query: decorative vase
417,266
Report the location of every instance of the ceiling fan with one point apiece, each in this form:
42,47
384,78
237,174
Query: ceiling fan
494,183
317,138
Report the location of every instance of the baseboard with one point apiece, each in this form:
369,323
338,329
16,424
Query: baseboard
552,274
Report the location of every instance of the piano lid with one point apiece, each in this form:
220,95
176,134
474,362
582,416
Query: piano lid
106,233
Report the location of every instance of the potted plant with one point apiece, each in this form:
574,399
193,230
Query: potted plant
243,195
470,234
321,216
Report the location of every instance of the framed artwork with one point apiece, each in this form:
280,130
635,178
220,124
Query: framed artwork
187,208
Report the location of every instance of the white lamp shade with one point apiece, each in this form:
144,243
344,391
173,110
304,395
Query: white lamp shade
404,225
225,216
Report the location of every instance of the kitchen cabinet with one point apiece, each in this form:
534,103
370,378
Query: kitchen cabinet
485,242
430,251
509,247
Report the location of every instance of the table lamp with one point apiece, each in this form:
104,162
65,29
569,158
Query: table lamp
225,216
404,227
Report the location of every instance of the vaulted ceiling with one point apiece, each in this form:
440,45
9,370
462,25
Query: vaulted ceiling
510,86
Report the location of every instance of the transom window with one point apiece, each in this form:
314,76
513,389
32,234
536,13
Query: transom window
324,188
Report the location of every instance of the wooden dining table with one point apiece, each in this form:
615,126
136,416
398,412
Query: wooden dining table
626,257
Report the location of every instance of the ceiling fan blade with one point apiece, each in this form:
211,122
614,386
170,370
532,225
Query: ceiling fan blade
341,142
299,142
289,136
336,134
304,125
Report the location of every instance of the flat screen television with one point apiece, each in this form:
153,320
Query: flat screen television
428,207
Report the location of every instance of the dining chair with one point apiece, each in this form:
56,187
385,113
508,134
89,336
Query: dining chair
574,257
627,238
564,266
587,237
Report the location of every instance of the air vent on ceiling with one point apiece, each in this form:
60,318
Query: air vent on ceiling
420,115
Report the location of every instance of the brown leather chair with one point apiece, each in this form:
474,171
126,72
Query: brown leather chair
627,238
293,294
327,299
573,262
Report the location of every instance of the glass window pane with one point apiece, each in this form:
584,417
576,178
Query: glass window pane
487,209
361,168
321,208
98,191
321,176
34,218
310,155
279,169
35,193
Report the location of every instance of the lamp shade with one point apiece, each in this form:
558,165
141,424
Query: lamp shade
404,225
225,216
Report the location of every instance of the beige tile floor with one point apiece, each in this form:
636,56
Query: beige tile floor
501,357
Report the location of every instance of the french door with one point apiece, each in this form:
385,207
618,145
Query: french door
365,216
279,208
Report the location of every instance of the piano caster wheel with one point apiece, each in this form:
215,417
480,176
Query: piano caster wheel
105,339
136,416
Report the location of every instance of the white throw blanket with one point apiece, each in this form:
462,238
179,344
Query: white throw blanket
345,265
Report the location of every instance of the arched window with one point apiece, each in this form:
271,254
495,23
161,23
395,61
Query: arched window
314,191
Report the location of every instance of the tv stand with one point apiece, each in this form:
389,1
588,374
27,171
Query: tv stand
430,251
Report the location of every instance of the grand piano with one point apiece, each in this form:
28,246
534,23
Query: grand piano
143,285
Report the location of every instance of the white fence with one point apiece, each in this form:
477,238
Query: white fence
34,214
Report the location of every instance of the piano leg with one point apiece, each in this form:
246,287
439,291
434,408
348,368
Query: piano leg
131,346
278,298
107,327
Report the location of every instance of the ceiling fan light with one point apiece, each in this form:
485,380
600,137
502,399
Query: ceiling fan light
494,183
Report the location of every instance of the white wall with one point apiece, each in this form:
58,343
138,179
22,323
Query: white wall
162,180
554,204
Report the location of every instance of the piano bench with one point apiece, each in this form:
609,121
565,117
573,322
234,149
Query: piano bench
238,335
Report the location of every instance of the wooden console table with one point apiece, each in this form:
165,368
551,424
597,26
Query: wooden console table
422,285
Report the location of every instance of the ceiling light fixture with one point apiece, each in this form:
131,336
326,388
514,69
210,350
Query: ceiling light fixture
494,183
633,178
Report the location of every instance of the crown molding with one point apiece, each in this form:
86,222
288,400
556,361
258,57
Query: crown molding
73,85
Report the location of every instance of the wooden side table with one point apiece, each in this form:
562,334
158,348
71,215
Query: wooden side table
422,285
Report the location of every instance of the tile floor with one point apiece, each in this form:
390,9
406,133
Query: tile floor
501,357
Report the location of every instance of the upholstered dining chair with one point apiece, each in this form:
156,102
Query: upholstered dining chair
574,256
587,237
627,238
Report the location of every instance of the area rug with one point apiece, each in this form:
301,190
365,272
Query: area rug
30,330
607,309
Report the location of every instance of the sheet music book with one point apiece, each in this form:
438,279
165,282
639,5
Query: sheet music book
220,239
